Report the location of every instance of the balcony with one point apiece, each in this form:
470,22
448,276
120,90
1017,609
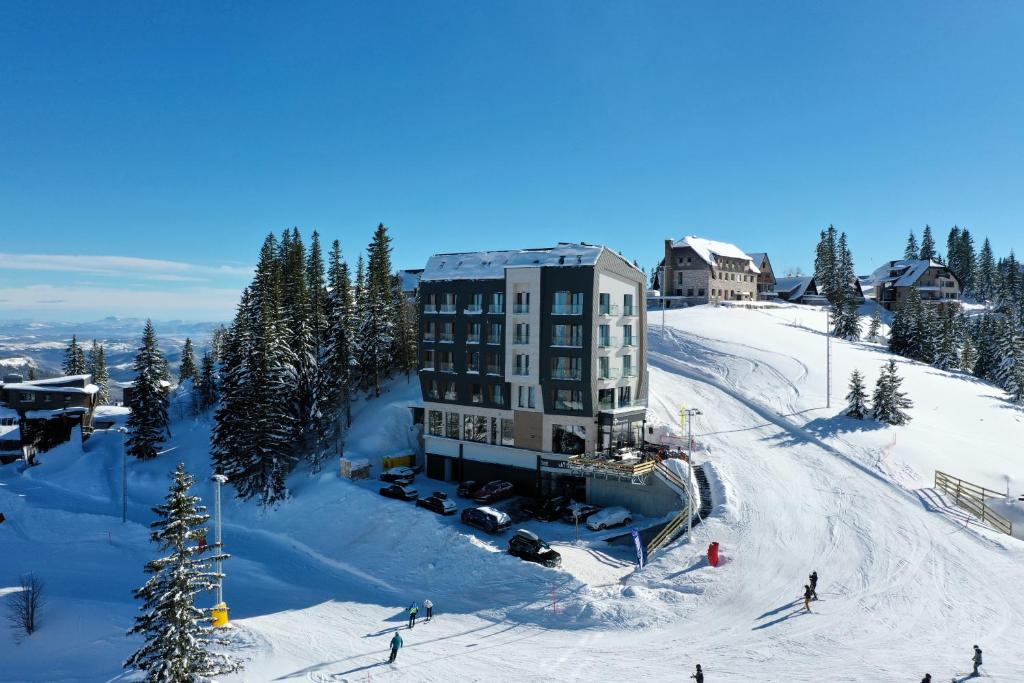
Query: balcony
430,308
629,341
607,342
629,372
610,374
477,398
520,371
473,310
609,310
562,404
494,370
447,308
523,339
446,367
473,338
447,338
572,342
566,373
496,309
567,309
630,311
606,403
451,395
520,309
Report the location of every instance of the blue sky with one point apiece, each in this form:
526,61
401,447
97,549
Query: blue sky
184,132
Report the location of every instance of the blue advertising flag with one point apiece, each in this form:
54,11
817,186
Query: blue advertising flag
639,543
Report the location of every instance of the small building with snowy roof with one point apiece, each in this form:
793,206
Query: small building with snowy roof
696,270
48,409
892,282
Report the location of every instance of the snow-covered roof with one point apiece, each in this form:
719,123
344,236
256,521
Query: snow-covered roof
907,271
491,265
709,249
56,412
66,379
49,389
793,287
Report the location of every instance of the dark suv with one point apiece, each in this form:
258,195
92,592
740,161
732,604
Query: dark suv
545,509
467,488
528,546
494,491
490,520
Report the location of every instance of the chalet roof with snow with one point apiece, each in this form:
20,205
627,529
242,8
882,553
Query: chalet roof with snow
903,273
491,265
793,288
69,384
707,250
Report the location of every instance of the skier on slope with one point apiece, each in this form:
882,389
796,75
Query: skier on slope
396,643
977,660
413,611
808,592
699,675
814,584
927,678
430,608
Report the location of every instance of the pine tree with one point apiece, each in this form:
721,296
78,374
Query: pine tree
968,355
927,252
74,358
946,354
847,322
912,251
826,264
178,634
340,358
187,369
889,402
954,254
875,327
985,276
206,383
406,332
1010,354
856,397
377,323
96,365
986,340
968,262
148,421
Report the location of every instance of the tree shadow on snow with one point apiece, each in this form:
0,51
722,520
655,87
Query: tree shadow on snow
825,427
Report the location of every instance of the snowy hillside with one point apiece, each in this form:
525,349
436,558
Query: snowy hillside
317,586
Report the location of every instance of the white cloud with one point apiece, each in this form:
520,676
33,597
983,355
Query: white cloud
144,268
87,302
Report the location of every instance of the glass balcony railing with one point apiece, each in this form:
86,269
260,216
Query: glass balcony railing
609,310
524,339
446,367
520,309
629,372
562,404
520,371
629,310
607,342
629,341
430,308
447,308
493,369
496,309
610,373
566,373
567,309
473,338
473,309
446,338
574,342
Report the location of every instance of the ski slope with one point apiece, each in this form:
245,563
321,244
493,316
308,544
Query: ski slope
318,586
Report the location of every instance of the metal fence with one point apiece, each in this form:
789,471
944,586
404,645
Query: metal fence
971,498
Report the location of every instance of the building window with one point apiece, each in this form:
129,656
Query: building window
493,363
700,292
522,303
567,335
451,427
604,336
447,332
433,391
522,366
474,428
447,303
689,292
625,397
430,303
522,334
476,393
568,399
494,333
429,331
627,305
446,362
494,431
606,399
450,394
498,394
521,399
566,367
507,434
476,303
497,303
606,307
428,359
473,361
26,397
568,303
531,397
627,366
473,333
435,422
627,336
568,439
604,370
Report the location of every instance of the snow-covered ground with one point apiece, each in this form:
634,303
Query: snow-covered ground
317,586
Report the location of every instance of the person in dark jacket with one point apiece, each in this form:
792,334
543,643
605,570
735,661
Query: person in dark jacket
396,644
808,592
927,678
413,611
699,675
977,660
814,584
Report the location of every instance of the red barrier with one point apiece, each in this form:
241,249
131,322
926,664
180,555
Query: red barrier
713,554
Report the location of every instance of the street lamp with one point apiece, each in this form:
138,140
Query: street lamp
690,412
218,479
124,475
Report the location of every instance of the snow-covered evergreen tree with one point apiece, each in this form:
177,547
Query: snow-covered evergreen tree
985,277
947,356
875,326
889,402
856,397
1010,352
340,358
847,320
96,365
826,264
968,262
912,250
376,331
968,355
74,358
148,423
178,634
206,383
927,251
986,340
406,332
187,368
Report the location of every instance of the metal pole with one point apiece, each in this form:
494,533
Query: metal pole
124,479
828,357
218,479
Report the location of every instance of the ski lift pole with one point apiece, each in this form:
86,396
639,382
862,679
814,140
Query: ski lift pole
220,610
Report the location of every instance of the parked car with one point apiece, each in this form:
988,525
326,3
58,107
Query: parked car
528,546
609,517
545,509
398,474
400,492
579,512
490,520
468,488
493,492
437,502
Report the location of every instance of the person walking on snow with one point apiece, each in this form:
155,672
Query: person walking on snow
396,643
808,592
699,675
814,584
927,678
413,611
977,660
430,608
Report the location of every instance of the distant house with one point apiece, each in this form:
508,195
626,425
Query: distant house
766,277
804,290
695,270
935,282
47,409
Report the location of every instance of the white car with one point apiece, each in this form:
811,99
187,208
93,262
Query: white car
609,517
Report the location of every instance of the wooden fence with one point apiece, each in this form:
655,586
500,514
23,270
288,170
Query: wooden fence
972,497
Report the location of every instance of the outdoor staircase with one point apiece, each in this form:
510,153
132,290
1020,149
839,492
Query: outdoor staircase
677,525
